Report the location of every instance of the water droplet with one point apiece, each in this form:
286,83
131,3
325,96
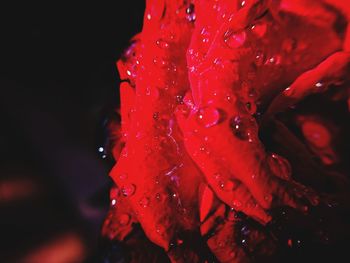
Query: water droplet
232,254
156,116
123,176
280,166
259,29
124,219
179,99
179,242
319,85
149,17
162,44
289,91
128,190
191,15
113,202
228,185
100,149
239,128
144,202
208,116
268,198
274,60
259,58
160,230
236,203
245,230
234,39
158,196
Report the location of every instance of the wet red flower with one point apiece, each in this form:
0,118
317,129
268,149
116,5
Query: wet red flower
209,146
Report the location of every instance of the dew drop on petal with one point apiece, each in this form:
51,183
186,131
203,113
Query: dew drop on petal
228,185
259,58
158,196
162,44
191,15
234,39
123,176
128,190
239,128
280,166
208,116
144,202
289,91
236,203
259,29
156,116
319,85
160,230
274,60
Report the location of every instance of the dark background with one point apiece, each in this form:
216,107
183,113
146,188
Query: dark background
58,82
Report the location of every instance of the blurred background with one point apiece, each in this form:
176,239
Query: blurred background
58,85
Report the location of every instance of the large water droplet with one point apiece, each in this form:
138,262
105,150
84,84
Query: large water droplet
128,190
235,39
208,116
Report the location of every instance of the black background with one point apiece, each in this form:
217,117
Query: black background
58,81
